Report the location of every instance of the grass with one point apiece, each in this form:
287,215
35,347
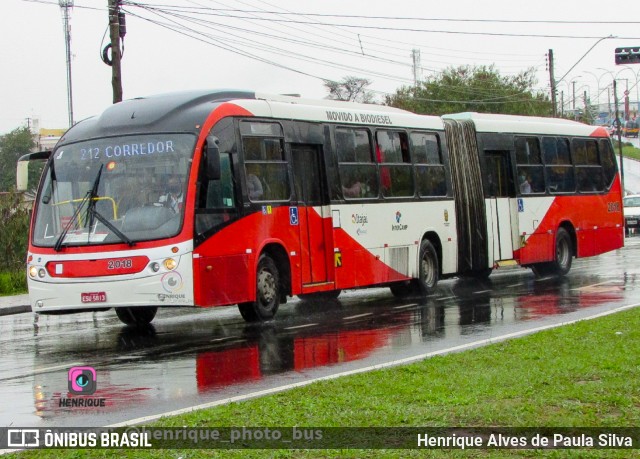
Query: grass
586,374
13,283
628,150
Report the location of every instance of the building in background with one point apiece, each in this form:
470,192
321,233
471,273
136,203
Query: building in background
45,138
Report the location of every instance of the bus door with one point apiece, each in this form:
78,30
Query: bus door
312,213
502,205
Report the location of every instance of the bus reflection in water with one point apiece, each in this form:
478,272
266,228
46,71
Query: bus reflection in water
180,368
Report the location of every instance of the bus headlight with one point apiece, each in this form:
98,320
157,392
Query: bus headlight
170,264
42,273
155,267
33,272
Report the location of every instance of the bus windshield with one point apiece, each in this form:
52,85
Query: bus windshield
114,190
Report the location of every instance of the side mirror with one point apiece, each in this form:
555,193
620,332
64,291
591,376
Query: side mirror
212,158
22,168
22,176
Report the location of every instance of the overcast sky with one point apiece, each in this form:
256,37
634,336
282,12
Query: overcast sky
216,44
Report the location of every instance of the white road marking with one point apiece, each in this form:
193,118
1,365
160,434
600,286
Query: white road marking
300,326
406,306
358,315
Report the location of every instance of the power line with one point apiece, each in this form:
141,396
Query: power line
359,26
210,23
402,18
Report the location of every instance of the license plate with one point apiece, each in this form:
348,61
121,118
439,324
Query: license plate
93,297
632,222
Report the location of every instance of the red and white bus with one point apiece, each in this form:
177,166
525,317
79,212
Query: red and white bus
220,198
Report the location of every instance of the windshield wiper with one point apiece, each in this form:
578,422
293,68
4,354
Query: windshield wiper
93,213
76,213
90,215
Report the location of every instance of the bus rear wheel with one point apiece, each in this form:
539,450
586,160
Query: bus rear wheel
138,317
563,257
429,267
268,290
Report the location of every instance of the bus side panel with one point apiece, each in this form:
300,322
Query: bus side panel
377,243
598,232
359,266
222,279
226,272
538,238
597,225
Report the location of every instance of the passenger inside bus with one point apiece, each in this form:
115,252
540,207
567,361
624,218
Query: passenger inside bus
560,177
254,187
525,184
354,190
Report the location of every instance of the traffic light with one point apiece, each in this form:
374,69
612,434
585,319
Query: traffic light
628,55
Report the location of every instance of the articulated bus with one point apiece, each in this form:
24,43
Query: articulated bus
227,197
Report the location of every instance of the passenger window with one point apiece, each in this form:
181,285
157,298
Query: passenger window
528,150
589,172
609,165
529,166
266,171
392,152
430,175
358,172
558,167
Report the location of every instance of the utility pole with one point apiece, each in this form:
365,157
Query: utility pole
588,116
552,81
65,6
417,67
116,32
619,126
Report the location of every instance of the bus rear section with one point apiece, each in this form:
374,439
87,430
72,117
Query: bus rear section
550,191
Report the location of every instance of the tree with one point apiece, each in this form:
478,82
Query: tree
352,89
13,145
477,89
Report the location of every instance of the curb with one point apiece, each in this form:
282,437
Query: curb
8,310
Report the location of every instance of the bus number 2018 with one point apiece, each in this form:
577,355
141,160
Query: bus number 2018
120,264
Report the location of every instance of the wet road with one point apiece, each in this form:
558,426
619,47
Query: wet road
193,357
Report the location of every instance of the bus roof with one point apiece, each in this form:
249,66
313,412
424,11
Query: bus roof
183,111
490,122
186,111
340,112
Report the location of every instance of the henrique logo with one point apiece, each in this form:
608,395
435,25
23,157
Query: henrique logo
172,282
82,380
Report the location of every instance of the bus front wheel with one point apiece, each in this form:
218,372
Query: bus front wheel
563,257
138,317
267,292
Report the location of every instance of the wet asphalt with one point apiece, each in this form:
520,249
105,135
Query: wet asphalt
191,357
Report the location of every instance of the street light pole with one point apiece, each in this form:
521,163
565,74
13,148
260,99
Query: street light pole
65,6
615,98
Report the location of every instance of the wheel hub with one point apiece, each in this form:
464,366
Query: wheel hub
266,286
